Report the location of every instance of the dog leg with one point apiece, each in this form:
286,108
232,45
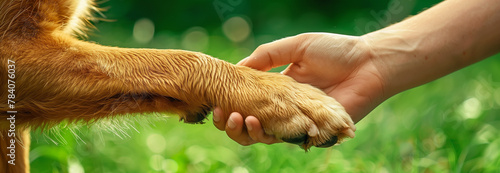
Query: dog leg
14,150
61,78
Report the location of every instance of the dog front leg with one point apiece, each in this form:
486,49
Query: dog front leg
14,151
74,80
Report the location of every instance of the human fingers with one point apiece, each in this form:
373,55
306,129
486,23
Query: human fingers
277,53
219,119
235,131
256,131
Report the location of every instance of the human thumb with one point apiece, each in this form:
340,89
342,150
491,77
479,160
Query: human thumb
270,55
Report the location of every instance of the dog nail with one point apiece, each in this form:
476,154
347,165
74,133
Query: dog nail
349,132
313,131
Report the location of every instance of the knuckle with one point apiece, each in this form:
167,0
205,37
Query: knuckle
262,48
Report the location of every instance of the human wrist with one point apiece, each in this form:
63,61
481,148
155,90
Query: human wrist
399,57
424,47
409,58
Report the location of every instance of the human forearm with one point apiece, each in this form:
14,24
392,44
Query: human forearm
443,39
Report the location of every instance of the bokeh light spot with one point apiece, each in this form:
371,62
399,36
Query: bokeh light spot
470,108
156,162
156,143
487,134
144,30
240,170
170,165
74,165
195,39
236,29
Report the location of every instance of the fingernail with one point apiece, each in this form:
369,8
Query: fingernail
230,123
249,127
216,117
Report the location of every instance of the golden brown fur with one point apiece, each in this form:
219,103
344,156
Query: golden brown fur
60,78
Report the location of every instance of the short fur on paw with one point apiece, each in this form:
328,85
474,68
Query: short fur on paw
293,112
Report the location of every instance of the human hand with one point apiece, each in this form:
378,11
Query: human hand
361,72
342,66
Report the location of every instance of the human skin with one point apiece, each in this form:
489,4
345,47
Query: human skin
362,72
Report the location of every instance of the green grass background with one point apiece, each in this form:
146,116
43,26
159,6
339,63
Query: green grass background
449,125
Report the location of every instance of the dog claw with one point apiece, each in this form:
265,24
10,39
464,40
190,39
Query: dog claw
313,131
349,132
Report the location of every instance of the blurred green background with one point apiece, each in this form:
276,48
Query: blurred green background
449,125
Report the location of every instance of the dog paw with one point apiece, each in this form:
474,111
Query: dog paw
316,120
295,113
